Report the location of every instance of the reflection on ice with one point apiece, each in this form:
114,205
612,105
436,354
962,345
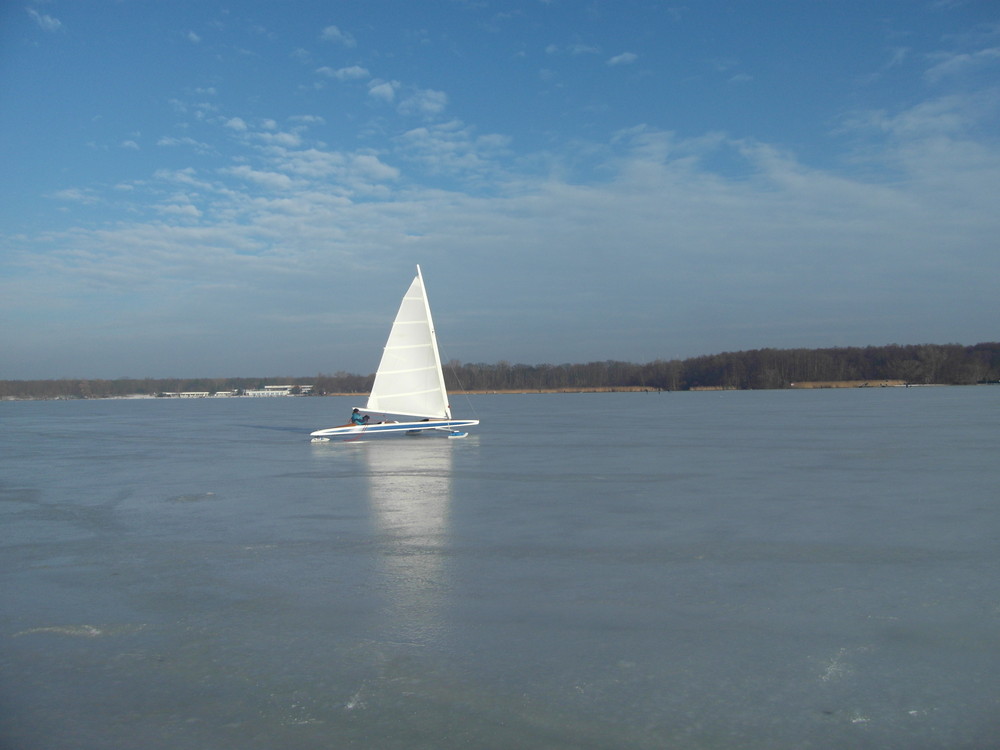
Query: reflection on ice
409,490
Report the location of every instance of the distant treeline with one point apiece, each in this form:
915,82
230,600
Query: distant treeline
950,364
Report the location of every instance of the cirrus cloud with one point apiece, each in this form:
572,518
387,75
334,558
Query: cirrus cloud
625,58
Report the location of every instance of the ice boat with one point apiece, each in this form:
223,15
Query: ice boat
409,382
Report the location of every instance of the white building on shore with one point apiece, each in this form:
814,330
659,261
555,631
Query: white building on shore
279,390
267,391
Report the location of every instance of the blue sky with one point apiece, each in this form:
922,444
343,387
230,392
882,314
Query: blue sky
244,188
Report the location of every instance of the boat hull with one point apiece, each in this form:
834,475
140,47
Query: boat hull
385,429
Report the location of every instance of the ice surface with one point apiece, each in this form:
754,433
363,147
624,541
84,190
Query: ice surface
705,570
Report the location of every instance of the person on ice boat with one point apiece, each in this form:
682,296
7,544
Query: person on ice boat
356,417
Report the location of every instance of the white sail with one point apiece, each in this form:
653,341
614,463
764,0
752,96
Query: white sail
409,380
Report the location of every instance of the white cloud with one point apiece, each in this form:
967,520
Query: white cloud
625,58
193,37
425,102
283,138
352,73
171,141
803,236
286,209
45,22
723,64
575,48
333,167
76,195
307,119
452,148
310,163
370,167
270,180
949,64
953,115
383,90
187,176
130,144
334,34
898,56
181,210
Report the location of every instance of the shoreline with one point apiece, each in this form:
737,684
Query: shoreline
811,385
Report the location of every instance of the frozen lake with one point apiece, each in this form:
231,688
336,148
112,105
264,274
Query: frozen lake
773,570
